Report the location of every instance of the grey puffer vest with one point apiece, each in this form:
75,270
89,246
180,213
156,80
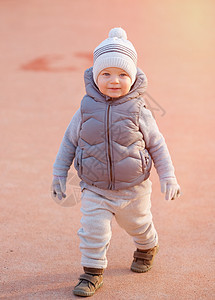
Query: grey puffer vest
111,151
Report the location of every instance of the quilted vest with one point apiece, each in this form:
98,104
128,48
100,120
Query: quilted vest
111,151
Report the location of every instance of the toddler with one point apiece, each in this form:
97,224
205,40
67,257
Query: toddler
113,139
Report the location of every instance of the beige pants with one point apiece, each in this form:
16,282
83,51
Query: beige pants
132,215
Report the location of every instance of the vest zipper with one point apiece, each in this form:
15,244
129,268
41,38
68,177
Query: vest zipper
109,150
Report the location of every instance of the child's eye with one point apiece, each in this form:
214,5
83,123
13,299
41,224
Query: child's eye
123,75
106,74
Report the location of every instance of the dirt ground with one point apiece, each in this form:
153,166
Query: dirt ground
44,49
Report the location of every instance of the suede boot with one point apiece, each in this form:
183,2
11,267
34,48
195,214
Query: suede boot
89,282
143,259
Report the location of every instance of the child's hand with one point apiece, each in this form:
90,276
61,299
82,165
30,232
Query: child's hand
59,187
171,188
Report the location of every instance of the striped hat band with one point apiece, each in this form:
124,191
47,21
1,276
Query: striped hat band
115,48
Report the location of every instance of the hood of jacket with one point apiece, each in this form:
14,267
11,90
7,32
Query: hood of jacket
137,89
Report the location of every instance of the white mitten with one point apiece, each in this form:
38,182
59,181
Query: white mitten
170,187
59,187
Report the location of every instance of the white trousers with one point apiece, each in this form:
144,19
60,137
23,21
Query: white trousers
132,215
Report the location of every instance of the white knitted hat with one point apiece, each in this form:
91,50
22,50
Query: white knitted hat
115,51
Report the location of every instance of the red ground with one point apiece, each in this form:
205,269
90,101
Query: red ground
45,48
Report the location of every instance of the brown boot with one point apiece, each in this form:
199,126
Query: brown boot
89,282
143,259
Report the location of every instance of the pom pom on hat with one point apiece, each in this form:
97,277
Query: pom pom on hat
116,51
118,33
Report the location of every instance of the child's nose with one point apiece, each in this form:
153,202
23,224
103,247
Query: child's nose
115,79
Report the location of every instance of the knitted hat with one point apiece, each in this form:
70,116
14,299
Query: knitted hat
115,51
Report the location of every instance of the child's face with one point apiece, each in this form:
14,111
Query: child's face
114,82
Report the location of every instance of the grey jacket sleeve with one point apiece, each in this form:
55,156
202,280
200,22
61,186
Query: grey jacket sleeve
156,145
68,146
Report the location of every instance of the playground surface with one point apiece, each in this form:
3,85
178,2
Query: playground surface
45,48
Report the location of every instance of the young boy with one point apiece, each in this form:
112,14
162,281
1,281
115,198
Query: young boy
113,140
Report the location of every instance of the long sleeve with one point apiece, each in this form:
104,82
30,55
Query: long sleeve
68,146
156,145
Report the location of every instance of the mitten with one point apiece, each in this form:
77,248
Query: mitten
170,187
59,187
